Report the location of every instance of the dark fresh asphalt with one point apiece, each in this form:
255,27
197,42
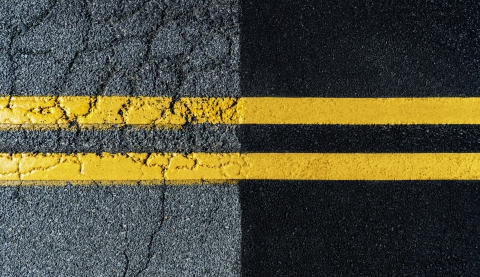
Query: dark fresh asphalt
364,228
316,48
359,138
308,48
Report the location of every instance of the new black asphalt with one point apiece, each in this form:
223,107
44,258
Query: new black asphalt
308,48
351,228
302,48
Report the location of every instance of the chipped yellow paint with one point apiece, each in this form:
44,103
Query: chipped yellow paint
360,110
108,111
60,112
131,168
121,167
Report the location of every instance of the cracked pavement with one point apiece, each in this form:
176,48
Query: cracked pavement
122,48
119,231
110,47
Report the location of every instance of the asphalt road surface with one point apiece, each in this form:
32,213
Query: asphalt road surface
134,48
240,48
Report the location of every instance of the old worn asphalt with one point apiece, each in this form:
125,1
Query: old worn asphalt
138,48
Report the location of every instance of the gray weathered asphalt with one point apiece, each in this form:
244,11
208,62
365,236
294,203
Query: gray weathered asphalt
120,231
191,138
110,47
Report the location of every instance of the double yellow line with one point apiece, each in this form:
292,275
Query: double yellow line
164,112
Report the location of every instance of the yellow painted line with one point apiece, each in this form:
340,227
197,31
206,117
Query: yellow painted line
106,111
121,167
360,110
114,110
180,168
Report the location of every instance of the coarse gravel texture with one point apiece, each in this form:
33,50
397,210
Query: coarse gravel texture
190,138
204,227
120,231
110,47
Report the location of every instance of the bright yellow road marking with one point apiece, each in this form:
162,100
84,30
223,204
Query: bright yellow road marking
356,166
104,110
60,112
360,110
235,166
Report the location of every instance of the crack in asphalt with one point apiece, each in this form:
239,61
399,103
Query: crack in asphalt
207,65
159,224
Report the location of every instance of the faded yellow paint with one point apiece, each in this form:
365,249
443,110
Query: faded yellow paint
59,112
197,167
257,110
108,111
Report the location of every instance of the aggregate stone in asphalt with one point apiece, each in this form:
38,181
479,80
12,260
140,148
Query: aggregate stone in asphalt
120,231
